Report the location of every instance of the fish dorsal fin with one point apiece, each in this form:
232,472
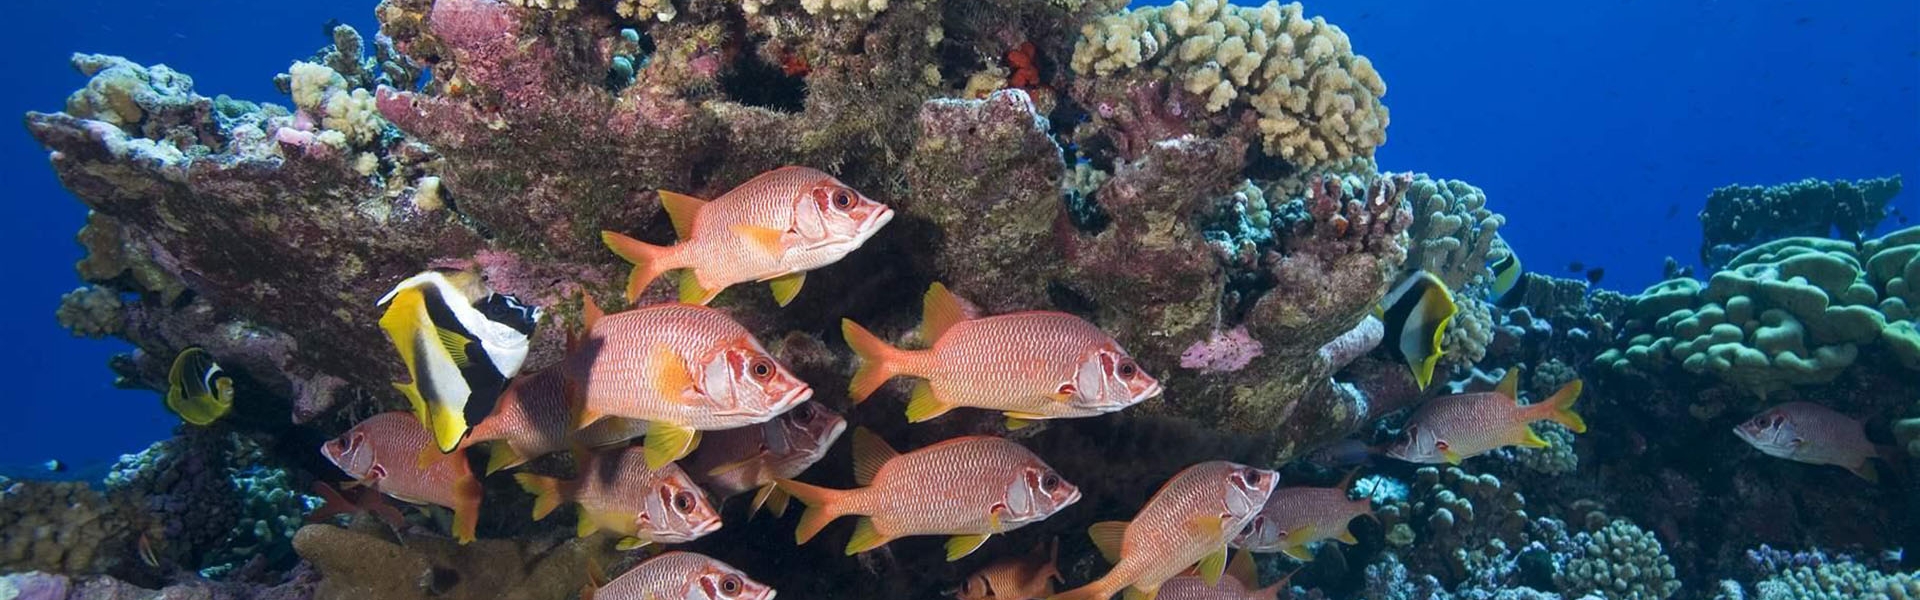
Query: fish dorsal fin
1108,537
682,209
1346,481
764,239
941,309
1510,383
1213,566
869,454
1242,569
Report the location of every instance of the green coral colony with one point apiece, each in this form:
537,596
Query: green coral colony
1196,180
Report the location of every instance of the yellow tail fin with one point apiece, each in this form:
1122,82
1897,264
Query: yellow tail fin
1559,407
546,491
645,258
822,507
877,360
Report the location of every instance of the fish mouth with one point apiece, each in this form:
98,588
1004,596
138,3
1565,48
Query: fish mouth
710,525
791,399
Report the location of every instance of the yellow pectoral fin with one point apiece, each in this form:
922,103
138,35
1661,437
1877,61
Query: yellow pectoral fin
588,524
1346,537
1213,565
667,442
1210,526
631,543
1016,423
1298,552
670,376
760,238
760,498
455,345
785,287
777,502
426,457
1529,439
960,546
1453,458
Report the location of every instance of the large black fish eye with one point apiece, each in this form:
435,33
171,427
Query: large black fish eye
730,585
1128,369
683,501
842,200
1049,482
1254,477
762,368
803,412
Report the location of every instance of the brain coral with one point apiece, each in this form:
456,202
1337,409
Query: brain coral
1313,99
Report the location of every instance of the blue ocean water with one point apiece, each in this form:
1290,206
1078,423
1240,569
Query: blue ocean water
1597,128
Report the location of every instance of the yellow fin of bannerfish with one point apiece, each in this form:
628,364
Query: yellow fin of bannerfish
197,389
667,442
1417,314
1506,273
785,287
960,546
923,405
681,209
455,345
1108,537
1213,565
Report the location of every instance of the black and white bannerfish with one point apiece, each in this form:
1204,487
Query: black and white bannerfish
1509,282
1416,314
197,389
460,342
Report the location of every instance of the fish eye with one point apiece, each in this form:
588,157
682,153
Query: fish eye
730,585
842,200
683,501
1128,369
762,369
1254,477
1049,482
803,412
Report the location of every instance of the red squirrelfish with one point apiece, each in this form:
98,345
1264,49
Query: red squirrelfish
736,461
682,369
619,493
1239,584
1297,516
1812,434
1016,577
391,452
772,228
534,417
967,487
1453,428
1190,520
1029,365
681,576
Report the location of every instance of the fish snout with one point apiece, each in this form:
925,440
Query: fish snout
791,398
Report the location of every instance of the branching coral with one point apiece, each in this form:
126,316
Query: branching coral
91,311
211,501
1313,99
1456,524
1454,235
61,527
1618,562
153,103
1739,217
1836,581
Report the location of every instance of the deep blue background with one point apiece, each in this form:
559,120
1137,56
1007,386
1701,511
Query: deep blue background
1597,127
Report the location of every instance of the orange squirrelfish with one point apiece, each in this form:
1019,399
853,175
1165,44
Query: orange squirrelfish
968,487
1453,428
736,461
683,369
1240,583
773,228
678,576
1016,577
1812,434
391,452
1188,521
619,493
1297,516
1030,365
534,418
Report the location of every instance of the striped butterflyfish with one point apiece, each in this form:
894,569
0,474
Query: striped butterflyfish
1416,314
197,389
1509,282
460,342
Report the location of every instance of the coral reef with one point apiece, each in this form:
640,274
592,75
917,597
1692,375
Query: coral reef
1620,562
362,563
1207,66
91,311
1738,217
61,527
1839,580
211,501
1455,237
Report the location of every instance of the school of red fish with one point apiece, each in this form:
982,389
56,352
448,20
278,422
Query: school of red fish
719,417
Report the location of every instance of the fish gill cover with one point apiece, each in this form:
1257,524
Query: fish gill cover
1197,181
